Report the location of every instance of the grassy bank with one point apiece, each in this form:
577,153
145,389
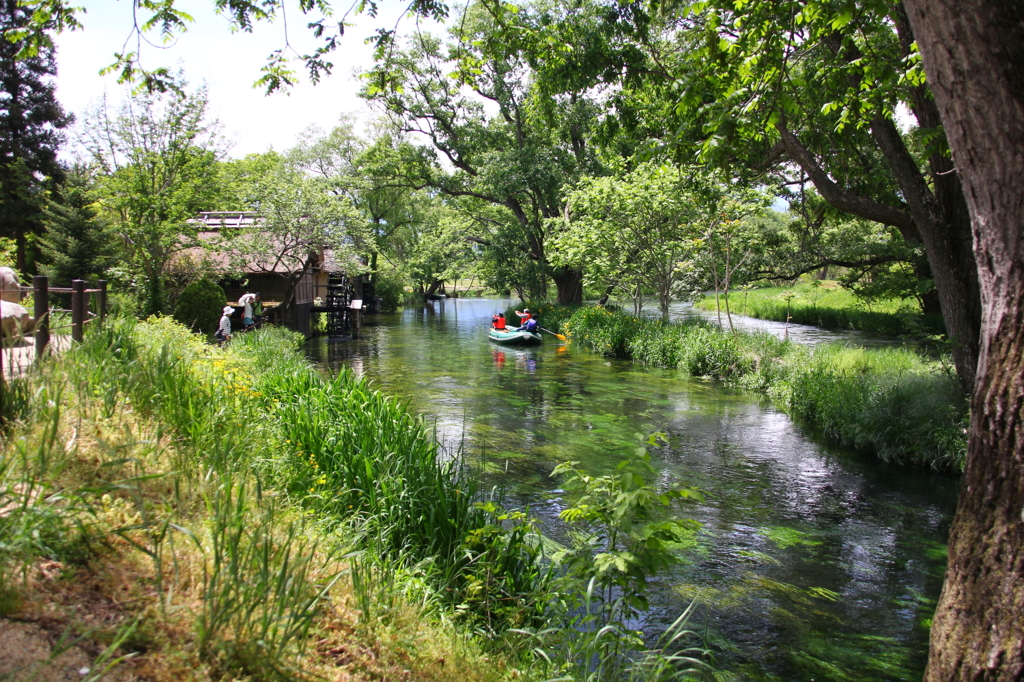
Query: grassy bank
161,517
175,511
829,306
893,403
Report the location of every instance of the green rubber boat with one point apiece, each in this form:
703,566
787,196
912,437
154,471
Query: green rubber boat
514,338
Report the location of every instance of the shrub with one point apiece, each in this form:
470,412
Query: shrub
390,289
604,331
707,352
200,305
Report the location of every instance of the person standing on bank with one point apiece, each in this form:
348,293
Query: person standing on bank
247,301
224,330
257,311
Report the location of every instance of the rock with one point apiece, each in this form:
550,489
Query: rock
14,319
9,284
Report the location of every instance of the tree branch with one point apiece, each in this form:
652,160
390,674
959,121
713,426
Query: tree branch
835,195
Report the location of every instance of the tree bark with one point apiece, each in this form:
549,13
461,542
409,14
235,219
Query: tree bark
569,284
929,221
947,242
973,53
432,289
835,195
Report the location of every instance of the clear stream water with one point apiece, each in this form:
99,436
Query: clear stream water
814,562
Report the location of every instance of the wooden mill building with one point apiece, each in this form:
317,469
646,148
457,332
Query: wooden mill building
292,289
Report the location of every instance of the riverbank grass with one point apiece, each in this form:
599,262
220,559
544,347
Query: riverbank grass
159,519
894,403
827,305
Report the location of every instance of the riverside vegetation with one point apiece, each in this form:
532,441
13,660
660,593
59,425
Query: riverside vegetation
829,306
181,511
891,402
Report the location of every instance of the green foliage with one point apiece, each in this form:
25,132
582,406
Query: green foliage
299,216
34,523
511,163
438,249
333,445
623,534
889,402
640,228
881,402
200,305
260,596
78,244
355,453
158,157
603,331
31,124
390,289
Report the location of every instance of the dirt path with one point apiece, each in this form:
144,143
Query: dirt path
27,652
17,358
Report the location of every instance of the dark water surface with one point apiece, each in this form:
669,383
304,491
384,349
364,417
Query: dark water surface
814,563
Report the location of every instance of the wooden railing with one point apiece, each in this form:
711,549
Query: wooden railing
80,313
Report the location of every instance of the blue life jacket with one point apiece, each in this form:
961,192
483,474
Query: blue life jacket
531,325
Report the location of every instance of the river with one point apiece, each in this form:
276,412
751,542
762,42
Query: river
813,562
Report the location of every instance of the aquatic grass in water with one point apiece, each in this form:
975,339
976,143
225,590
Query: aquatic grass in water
889,402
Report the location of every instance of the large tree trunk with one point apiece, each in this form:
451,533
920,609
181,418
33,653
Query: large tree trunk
21,245
570,286
432,289
974,56
932,220
947,241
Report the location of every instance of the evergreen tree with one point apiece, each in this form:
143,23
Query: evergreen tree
77,244
31,120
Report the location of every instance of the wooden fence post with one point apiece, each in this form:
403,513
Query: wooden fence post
77,310
102,284
41,296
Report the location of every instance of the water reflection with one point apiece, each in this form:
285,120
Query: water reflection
813,563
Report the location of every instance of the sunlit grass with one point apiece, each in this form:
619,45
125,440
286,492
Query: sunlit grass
830,306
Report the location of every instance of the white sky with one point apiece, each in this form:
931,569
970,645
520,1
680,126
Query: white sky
229,64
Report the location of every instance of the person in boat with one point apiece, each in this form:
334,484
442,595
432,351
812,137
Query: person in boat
498,322
530,325
524,316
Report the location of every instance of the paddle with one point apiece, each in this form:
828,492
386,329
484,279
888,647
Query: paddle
560,337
